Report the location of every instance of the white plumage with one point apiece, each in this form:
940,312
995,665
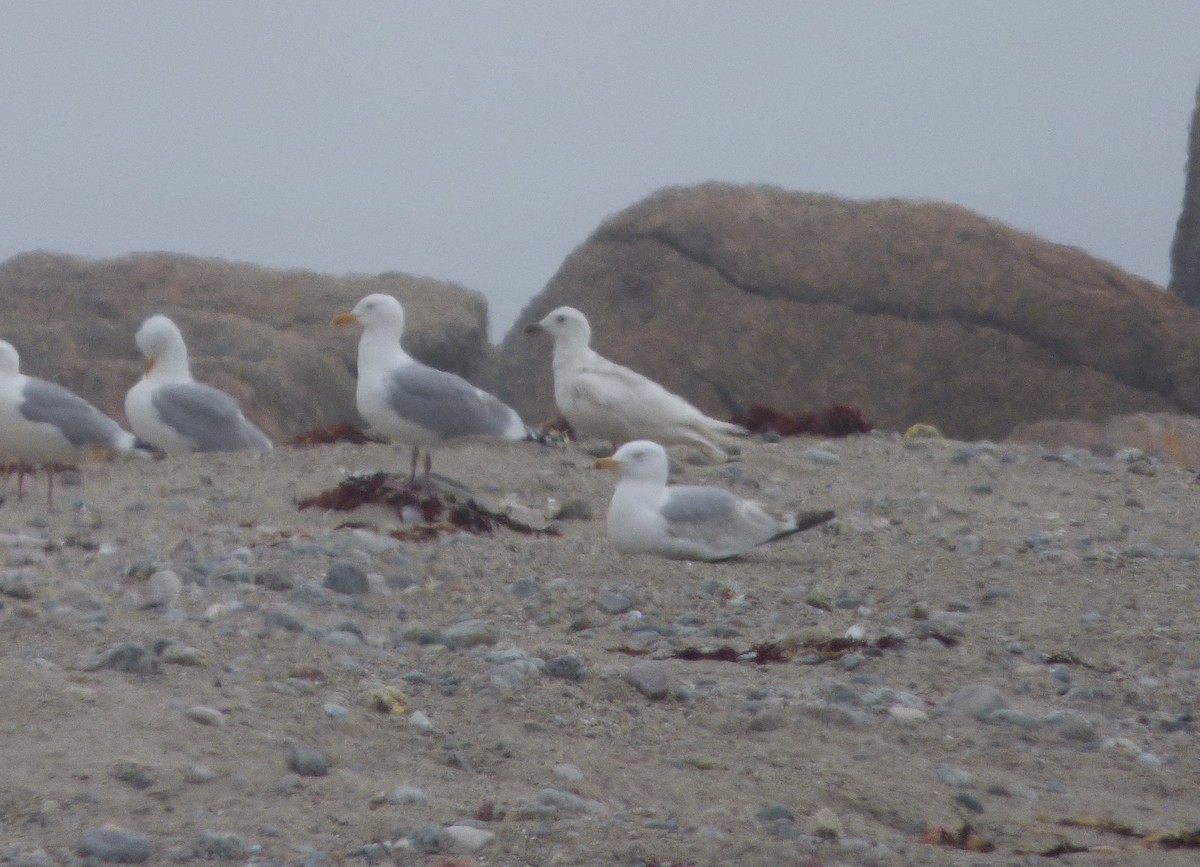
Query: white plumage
43,423
403,399
173,412
681,522
603,399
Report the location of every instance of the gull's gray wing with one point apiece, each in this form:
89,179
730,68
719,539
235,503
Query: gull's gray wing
701,506
80,422
208,417
446,404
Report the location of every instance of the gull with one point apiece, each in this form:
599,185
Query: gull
173,412
604,399
685,522
403,399
43,423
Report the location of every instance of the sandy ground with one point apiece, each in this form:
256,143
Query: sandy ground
1068,585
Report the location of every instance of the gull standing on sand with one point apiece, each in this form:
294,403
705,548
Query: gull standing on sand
403,399
43,423
603,399
683,522
173,412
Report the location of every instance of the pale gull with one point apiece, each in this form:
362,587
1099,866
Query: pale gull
603,399
403,399
43,423
681,522
173,412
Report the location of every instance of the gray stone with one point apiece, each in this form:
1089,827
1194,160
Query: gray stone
115,845
613,602
568,667
307,761
978,700
409,796
469,633
126,656
463,838
219,846
345,577
651,677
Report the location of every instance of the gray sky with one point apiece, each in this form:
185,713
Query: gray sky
481,142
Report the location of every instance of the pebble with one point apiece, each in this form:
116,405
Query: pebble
651,677
822,457
420,722
207,716
952,776
163,589
568,773
126,656
469,633
346,578
412,796
219,846
977,701
568,667
307,761
463,838
114,845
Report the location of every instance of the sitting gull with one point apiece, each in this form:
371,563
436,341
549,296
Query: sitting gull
403,399
171,411
603,399
43,423
682,522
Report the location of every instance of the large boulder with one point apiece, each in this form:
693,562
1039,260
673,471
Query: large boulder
910,311
1185,248
263,335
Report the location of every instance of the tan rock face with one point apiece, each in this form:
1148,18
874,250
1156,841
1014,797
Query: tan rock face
913,312
262,335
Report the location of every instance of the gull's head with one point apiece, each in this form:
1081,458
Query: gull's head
640,460
566,325
375,311
157,338
10,362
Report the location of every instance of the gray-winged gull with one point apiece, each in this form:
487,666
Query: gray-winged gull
681,522
403,399
604,399
43,423
173,412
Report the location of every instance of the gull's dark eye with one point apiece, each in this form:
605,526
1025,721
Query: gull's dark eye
560,318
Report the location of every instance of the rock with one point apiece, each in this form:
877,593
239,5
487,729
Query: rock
115,845
568,667
307,761
126,656
420,722
261,334
409,795
564,801
651,677
163,589
207,716
952,776
469,633
568,773
825,823
463,838
694,286
219,846
977,701
345,577
612,602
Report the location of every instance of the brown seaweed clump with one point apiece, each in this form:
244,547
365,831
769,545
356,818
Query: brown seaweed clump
837,421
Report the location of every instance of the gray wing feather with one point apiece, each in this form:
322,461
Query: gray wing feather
689,504
208,417
445,403
80,422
